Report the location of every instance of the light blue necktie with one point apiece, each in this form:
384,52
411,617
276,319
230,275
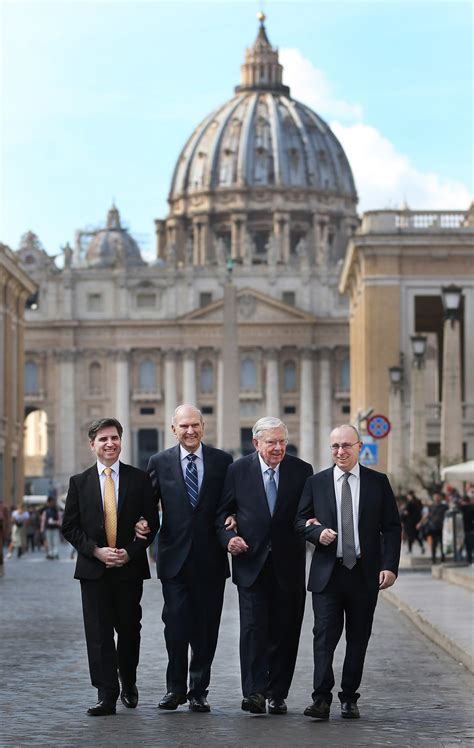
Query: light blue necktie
271,490
191,480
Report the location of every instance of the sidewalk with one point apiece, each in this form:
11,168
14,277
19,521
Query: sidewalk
441,605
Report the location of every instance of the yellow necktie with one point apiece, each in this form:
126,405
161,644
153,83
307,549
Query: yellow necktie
110,509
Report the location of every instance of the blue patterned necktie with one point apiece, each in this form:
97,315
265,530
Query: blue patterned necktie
191,480
271,490
347,521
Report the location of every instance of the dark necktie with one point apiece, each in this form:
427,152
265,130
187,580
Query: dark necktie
347,522
271,490
191,480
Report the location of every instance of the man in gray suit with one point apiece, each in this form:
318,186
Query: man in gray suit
188,480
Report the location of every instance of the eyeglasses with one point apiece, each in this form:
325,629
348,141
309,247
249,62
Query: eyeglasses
337,447
275,442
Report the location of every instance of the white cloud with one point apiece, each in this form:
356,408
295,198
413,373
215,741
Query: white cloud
385,178
310,85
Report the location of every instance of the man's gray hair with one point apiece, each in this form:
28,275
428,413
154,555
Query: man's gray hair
265,423
186,405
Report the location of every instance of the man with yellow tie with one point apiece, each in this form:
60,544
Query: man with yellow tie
102,506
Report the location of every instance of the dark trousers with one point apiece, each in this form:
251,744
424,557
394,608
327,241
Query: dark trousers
110,605
191,614
346,595
270,625
436,539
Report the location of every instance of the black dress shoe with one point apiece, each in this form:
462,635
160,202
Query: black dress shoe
319,709
129,696
198,703
255,703
172,700
101,709
349,710
277,706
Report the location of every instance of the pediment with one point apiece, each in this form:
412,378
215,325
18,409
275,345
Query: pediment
252,307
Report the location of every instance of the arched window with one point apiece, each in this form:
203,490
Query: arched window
345,375
207,378
248,375
147,376
31,378
95,378
289,376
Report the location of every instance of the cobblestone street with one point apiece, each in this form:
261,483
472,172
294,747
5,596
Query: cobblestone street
413,694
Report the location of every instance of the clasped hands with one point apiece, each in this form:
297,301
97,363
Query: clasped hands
112,557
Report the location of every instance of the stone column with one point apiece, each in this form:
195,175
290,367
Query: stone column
171,397
238,231
228,405
417,413
281,232
320,230
325,401
66,425
451,399
189,377
306,451
272,386
122,402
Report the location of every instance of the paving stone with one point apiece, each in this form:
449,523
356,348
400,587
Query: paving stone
413,694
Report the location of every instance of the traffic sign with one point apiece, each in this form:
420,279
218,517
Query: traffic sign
369,454
378,426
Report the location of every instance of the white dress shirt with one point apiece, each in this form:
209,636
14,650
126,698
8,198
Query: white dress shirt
114,475
354,483
199,462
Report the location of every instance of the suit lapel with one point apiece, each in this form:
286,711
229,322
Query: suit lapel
207,463
177,473
331,494
124,477
93,483
364,477
283,484
258,481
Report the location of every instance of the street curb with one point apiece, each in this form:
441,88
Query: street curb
431,631
462,576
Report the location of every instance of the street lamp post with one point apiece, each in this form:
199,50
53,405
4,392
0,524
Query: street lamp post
418,401
395,438
451,402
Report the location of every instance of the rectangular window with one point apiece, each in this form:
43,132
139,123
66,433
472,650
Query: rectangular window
147,411
288,409
95,302
205,298
207,410
146,300
288,297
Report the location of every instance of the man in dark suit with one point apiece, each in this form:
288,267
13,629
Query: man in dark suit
102,506
188,481
350,514
268,564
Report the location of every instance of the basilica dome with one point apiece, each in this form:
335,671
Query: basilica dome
262,138
113,245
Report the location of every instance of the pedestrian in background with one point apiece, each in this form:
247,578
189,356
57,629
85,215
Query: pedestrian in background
4,532
50,527
19,521
411,516
434,525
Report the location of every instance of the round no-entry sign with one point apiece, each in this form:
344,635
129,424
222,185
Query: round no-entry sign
378,426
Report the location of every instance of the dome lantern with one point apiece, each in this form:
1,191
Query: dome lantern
261,70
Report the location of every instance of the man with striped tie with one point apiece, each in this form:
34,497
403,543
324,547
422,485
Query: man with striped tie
350,515
268,563
102,506
188,481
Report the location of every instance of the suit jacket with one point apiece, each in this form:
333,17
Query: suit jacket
183,528
83,521
379,525
244,495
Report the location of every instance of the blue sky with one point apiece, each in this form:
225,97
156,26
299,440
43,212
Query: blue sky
98,98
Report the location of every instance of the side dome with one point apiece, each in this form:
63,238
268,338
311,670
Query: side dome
113,245
263,138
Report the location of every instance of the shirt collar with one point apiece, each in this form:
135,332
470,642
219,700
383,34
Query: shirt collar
183,453
264,467
114,467
338,473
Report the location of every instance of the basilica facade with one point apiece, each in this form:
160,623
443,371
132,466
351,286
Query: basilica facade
262,199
